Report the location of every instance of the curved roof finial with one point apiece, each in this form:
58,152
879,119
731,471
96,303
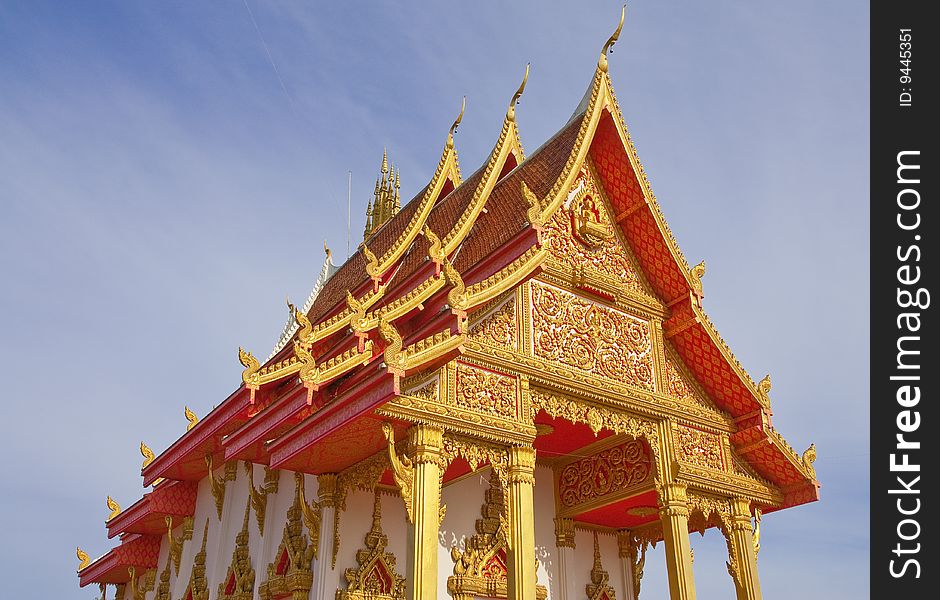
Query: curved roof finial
453,128
602,61
511,113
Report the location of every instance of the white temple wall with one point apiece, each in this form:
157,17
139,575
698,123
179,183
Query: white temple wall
463,499
545,549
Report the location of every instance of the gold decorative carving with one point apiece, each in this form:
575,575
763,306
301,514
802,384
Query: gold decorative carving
632,547
591,337
434,243
83,559
534,212
191,418
402,470
763,390
149,457
589,218
486,391
176,543
808,458
595,417
290,575
679,385
163,588
511,111
582,238
252,366
375,578
481,569
239,582
699,447
312,515
599,588
453,128
478,453
695,277
143,584
457,296
198,587
497,327
564,532
756,533
394,357
703,508
259,497
217,486
608,471
372,262
114,507
609,45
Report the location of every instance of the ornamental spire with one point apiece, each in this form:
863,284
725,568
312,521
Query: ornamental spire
386,199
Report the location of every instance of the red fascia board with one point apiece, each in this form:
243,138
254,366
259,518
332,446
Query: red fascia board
247,442
355,402
138,551
202,439
147,515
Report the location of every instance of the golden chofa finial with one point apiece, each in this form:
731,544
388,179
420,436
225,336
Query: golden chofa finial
114,507
329,253
191,418
511,112
83,558
453,128
608,47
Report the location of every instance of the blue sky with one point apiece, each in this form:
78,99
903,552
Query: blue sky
163,188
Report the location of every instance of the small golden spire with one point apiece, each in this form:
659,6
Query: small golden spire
148,455
511,112
83,558
114,507
190,417
384,161
453,128
602,61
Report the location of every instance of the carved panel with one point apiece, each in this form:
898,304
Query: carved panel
607,471
497,327
678,384
591,337
699,447
581,233
485,391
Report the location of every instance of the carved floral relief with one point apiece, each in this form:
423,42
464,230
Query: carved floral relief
486,391
607,471
591,337
699,447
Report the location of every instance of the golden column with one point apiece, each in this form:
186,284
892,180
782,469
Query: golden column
521,534
426,442
742,563
674,516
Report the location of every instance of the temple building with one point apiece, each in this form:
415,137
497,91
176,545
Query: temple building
509,391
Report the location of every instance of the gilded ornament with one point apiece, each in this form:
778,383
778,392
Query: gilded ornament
632,547
191,418
149,457
599,588
83,559
457,296
699,447
252,366
763,390
695,277
609,45
372,263
756,533
141,585
394,357
453,128
534,212
591,337
114,507
311,513
258,497
239,581
305,328
198,586
606,472
511,112
175,544
808,458
486,391
290,574
217,486
375,577
402,470
434,244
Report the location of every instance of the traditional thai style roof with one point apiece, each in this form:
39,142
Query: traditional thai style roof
399,306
